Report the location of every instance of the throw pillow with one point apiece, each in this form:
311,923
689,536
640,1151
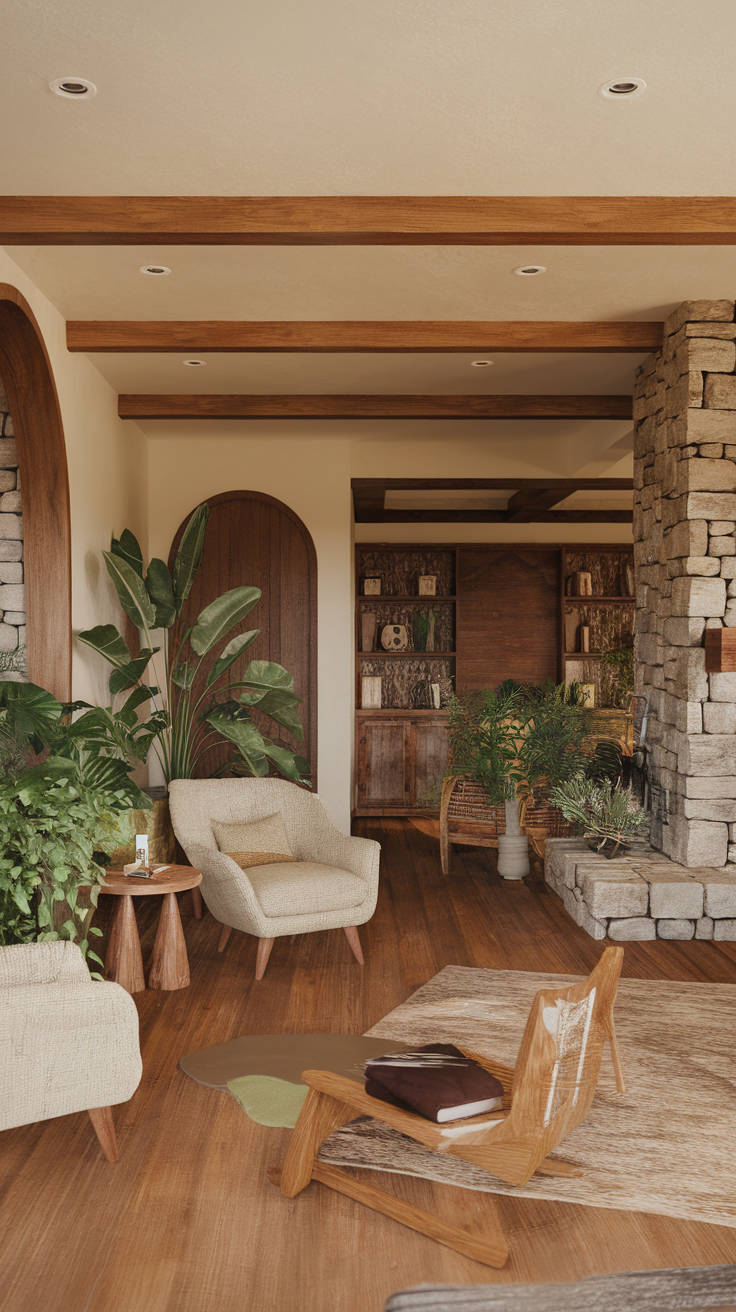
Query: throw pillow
260,843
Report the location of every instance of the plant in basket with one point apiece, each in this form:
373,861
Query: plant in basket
606,814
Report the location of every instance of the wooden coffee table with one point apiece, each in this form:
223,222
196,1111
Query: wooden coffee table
169,965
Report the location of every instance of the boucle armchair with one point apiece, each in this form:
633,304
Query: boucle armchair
68,1044
332,884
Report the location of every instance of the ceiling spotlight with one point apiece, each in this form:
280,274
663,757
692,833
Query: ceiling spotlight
480,364
73,88
623,86
155,270
193,364
530,270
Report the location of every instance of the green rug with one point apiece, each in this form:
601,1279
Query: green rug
267,1100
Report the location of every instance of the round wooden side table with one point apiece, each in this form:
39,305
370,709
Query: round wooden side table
169,965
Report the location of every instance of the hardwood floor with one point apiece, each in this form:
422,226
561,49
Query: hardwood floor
187,1221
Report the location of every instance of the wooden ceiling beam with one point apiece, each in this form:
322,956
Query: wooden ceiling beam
496,517
370,335
531,502
368,220
203,406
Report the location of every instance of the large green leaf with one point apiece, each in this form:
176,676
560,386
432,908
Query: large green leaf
230,654
127,549
29,710
131,591
110,776
244,735
219,617
161,592
127,676
183,675
284,760
189,555
265,676
106,640
280,706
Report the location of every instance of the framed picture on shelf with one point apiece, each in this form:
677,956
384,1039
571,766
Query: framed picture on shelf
370,692
371,587
427,585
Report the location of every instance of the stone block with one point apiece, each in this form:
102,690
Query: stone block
14,617
688,678
11,571
7,480
696,311
11,501
714,786
724,931
728,568
720,893
719,717
710,505
721,527
580,914
722,687
704,927
699,426
12,596
711,753
11,550
11,526
693,596
684,632
673,894
632,930
8,637
719,392
703,475
677,929
704,565
695,842
561,856
688,538
711,450
615,893
8,453
709,355
722,546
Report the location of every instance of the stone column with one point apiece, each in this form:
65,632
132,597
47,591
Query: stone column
685,554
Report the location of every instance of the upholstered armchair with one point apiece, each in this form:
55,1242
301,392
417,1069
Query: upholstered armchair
68,1044
329,882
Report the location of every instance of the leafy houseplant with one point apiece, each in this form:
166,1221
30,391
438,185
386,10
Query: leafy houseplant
617,676
605,814
57,814
198,706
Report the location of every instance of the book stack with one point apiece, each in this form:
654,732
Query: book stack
436,1081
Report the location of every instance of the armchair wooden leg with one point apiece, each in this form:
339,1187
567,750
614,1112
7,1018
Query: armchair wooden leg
101,1118
351,933
197,902
262,955
224,936
616,1055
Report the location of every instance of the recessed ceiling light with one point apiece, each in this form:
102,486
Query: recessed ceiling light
530,270
480,364
73,88
623,86
155,270
193,364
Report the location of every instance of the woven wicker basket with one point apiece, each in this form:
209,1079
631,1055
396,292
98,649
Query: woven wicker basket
540,821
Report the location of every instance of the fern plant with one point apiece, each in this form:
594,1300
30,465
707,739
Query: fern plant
606,814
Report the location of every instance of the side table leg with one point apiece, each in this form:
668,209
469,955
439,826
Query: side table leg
169,963
123,961
197,902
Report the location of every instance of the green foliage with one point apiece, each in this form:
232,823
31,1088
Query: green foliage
602,811
617,676
197,708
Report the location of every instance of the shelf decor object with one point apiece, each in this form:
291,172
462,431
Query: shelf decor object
368,620
394,637
427,585
583,584
371,587
370,692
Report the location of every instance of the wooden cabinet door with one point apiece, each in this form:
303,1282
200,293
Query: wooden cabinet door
382,760
429,753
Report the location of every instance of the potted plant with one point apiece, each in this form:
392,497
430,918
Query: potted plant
192,697
605,814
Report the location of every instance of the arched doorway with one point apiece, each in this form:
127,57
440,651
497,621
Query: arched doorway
253,538
28,380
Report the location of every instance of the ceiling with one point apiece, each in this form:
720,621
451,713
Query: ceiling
375,97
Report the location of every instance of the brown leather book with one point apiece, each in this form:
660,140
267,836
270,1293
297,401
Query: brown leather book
437,1081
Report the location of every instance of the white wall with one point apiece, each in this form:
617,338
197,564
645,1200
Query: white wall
108,483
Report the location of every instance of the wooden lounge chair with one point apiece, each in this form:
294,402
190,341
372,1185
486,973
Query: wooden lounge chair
551,1089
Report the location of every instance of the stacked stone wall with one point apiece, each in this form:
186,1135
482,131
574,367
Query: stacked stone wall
685,556
12,589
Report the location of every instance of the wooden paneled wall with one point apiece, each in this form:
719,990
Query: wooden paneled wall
507,615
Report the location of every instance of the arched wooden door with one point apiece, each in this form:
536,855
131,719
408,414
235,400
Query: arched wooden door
253,538
26,373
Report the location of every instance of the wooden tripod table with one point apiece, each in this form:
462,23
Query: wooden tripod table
169,965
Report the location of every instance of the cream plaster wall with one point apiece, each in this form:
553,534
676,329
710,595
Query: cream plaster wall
313,479
108,484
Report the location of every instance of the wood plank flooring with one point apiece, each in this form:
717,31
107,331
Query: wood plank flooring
187,1221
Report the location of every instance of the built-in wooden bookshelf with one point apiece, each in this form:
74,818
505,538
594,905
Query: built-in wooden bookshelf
607,613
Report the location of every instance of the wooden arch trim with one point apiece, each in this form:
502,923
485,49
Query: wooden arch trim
310,694
27,376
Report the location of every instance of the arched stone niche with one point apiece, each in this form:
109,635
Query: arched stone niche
33,404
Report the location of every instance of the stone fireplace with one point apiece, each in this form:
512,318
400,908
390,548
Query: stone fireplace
12,590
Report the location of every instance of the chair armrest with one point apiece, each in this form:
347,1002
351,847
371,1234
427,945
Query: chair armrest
325,843
227,890
42,963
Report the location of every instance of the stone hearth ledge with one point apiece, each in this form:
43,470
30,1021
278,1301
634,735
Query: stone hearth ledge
642,895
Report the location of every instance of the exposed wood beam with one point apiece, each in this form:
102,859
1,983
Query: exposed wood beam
370,335
531,502
202,406
368,220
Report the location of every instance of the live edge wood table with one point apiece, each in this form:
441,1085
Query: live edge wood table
169,965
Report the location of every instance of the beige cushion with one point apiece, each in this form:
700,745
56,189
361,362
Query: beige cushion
304,888
257,843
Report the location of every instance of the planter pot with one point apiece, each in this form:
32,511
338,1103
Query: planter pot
156,823
513,856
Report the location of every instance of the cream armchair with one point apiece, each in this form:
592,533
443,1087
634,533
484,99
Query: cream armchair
332,884
68,1044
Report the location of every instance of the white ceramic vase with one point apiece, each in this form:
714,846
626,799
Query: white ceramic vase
513,856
